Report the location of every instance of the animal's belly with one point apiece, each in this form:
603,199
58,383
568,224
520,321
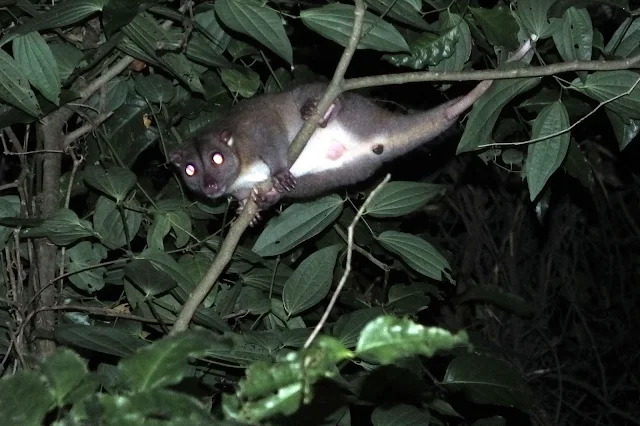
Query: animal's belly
331,148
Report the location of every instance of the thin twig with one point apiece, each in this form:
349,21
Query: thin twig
347,268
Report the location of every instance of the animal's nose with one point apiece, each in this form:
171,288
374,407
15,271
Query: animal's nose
210,186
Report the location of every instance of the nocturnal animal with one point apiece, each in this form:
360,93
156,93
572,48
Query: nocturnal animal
354,138
250,145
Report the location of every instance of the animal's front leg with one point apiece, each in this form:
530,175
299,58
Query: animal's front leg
310,108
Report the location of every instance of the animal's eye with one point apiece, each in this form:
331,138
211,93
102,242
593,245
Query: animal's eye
190,170
217,158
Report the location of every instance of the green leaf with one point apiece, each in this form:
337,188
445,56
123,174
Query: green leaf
65,370
36,61
127,131
401,198
406,299
417,253
14,87
387,339
486,111
24,399
487,380
106,340
149,280
108,223
245,82
400,415
348,327
452,26
63,228
208,25
67,57
114,181
82,256
61,15
258,21
253,301
533,15
605,85
171,407
165,362
116,90
264,279
401,10
335,22
200,49
426,50
155,88
147,34
498,25
168,265
625,41
311,281
625,130
546,156
296,224
575,39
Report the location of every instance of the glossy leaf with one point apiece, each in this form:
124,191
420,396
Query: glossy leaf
63,228
67,57
244,82
400,198
15,88
400,10
348,327
499,297
258,21
335,22
387,339
311,281
108,223
560,6
498,25
605,85
487,380
533,15
452,26
82,256
165,362
264,279
624,130
155,88
296,224
577,165
546,156
108,340
426,50
114,181
36,61
148,279
406,299
421,256
486,111
574,40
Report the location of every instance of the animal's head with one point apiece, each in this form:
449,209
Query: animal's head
209,164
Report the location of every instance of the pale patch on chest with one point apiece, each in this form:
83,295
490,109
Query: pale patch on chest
253,174
332,148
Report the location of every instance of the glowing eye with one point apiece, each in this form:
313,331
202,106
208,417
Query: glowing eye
190,170
217,158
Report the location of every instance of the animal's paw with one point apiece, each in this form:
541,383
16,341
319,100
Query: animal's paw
283,181
255,220
264,200
310,108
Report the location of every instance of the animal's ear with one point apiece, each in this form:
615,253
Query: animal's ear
176,156
226,137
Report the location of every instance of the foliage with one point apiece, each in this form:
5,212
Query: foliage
102,246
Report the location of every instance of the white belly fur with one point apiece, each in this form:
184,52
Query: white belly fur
314,158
